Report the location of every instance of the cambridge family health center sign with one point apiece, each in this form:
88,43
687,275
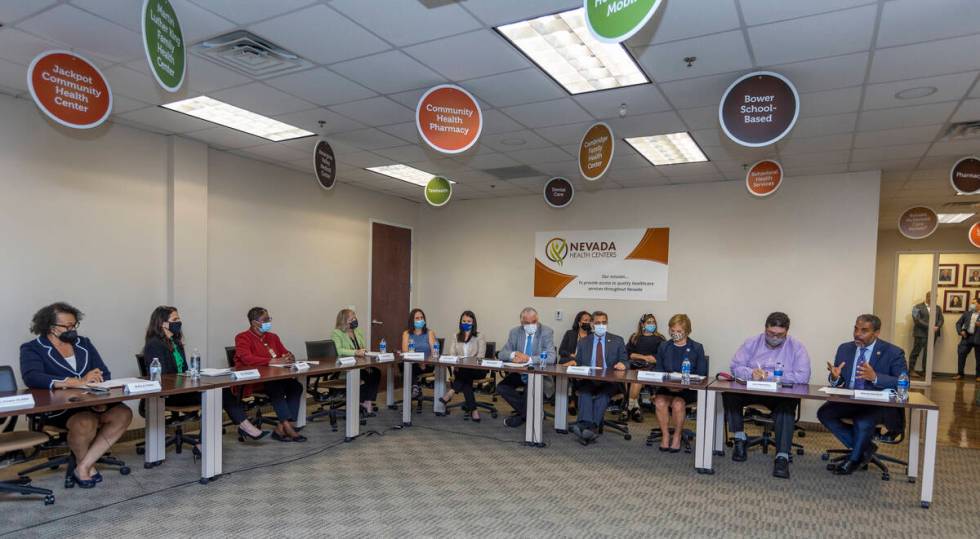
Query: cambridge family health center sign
602,264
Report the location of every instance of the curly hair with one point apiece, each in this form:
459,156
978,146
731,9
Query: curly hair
46,317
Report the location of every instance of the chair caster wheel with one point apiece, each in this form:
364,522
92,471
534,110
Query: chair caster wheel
140,450
925,505
333,429
801,434
49,500
649,443
799,452
911,480
886,477
628,437
825,456
493,415
52,467
124,470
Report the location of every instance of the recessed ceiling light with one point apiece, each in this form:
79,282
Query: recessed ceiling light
215,111
563,47
953,218
916,93
671,149
405,173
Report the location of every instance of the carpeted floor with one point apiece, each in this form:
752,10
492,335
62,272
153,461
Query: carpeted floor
444,477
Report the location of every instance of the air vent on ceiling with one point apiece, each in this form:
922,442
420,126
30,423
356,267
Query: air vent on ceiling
511,173
248,53
963,129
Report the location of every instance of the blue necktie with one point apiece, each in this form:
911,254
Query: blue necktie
527,352
858,383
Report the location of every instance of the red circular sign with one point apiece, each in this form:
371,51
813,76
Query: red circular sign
975,235
763,178
759,109
965,175
69,89
449,119
918,222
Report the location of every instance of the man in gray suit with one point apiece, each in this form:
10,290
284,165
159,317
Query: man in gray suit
524,343
920,332
600,350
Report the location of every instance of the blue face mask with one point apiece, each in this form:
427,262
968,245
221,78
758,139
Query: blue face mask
419,324
650,328
465,327
600,329
265,327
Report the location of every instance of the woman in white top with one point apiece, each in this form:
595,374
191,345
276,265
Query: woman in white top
467,343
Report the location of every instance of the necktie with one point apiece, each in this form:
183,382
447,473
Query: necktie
600,358
858,383
527,345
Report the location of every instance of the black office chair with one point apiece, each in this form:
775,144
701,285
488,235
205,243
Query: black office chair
763,417
687,435
427,380
878,459
177,416
14,445
487,384
617,423
256,401
329,391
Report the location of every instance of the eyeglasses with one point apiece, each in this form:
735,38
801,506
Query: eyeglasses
68,328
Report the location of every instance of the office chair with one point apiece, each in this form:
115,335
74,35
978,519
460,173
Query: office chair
332,401
177,417
427,379
762,416
487,384
877,458
687,435
618,424
256,401
14,445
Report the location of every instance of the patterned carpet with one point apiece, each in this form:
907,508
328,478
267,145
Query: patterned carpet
444,477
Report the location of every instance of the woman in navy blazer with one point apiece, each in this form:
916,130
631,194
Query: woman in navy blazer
59,359
671,403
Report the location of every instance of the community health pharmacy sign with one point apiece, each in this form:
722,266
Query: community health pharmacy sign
602,264
612,21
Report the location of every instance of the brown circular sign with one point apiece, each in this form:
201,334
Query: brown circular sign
596,151
758,109
975,235
764,177
558,192
965,175
324,164
918,222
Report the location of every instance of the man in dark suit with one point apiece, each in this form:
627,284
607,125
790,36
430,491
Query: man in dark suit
920,332
967,327
601,350
869,363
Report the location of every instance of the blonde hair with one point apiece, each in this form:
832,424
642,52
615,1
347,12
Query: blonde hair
342,319
680,320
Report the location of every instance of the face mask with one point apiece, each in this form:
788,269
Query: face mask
775,341
69,336
677,335
530,329
586,327
650,328
353,324
465,327
175,327
419,324
600,329
265,327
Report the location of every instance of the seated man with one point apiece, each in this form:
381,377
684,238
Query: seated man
757,359
599,350
864,363
523,343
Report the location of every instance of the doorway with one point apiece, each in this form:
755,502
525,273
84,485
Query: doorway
391,282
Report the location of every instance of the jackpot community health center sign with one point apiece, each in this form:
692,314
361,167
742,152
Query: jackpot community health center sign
602,264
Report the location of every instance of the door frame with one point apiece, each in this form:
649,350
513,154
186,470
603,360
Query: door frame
934,288
370,272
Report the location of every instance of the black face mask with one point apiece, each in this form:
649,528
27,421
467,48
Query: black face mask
586,327
175,327
353,324
69,336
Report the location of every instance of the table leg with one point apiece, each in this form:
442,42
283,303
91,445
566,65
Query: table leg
439,390
701,436
210,434
390,390
915,426
301,415
156,433
406,394
929,458
719,446
706,431
561,404
353,417
535,410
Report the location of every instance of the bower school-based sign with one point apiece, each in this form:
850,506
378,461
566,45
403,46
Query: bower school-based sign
596,151
764,177
918,222
602,264
965,175
759,109
69,89
324,165
163,42
438,191
559,192
613,21
449,119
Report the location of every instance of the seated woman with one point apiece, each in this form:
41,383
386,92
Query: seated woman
467,343
422,340
350,341
671,403
581,328
59,359
642,351
165,341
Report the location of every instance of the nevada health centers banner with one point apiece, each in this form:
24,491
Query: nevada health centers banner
602,264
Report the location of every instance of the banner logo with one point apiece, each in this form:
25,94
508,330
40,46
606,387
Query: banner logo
556,250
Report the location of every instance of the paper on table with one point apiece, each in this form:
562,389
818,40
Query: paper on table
837,391
115,382
215,372
515,365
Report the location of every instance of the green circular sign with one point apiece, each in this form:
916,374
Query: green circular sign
612,21
164,44
438,191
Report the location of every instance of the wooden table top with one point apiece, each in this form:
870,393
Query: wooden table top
812,392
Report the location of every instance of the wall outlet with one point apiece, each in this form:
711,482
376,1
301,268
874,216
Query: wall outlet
559,315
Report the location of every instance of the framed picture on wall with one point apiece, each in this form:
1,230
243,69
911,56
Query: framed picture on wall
971,275
977,295
956,301
949,275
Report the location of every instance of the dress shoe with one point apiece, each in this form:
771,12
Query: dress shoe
83,483
299,438
847,467
576,430
280,438
636,415
738,451
514,421
780,468
244,435
97,477
588,435
831,467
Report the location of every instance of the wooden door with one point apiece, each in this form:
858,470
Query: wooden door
391,282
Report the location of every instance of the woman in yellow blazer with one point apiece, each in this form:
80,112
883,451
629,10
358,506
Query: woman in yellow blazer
350,341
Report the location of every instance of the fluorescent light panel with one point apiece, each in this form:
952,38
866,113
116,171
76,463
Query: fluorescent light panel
672,149
953,218
215,111
405,173
564,48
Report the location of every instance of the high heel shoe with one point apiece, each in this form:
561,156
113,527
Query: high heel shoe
243,435
280,438
195,453
97,477
444,401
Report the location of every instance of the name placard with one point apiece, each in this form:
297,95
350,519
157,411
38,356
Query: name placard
245,375
413,356
760,385
579,369
147,386
496,363
448,359
386,357
16,402
346,361
871,395
651,376
301,366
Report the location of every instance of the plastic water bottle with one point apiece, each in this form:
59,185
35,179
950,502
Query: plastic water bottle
777,374
902,389
383,345
411,346
543,358
686,371
195,364
155,369
435,349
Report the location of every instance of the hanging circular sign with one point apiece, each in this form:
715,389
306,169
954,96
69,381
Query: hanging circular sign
918,222
975,235
69,89
163,43
965,175
558,192
438,191
449,119
758,109
613,21
764,177
324,165
596,151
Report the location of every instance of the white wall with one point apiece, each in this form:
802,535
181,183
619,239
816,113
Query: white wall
809,250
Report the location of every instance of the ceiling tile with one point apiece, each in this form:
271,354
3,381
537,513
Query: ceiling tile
262,99
410,98
514,88
701,117
969,111
825,125
763,11
21,47
406,131
831,34
196,23
815,159
485,53
401,20
320,86
639,99
224,138
948,88
357,159
956,148
206,77
830,102
310,120
681,20
507,142
275,152
368,139
80,30
389,72
499,12
121,103
646,124
691,93
11,11
826,73
487,161
547,113
926,59
375,111
247,12
549,154
320,34
893,137
167,120
875,120
794,145
907,21
563,135
904,151
404,154
717,53
495,122
132,83
13,76
688,170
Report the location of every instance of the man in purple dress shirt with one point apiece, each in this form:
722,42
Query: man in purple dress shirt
756,359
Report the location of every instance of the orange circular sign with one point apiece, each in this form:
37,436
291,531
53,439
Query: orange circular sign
69,89
918,222
763,178
449,119
975,235
596,151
